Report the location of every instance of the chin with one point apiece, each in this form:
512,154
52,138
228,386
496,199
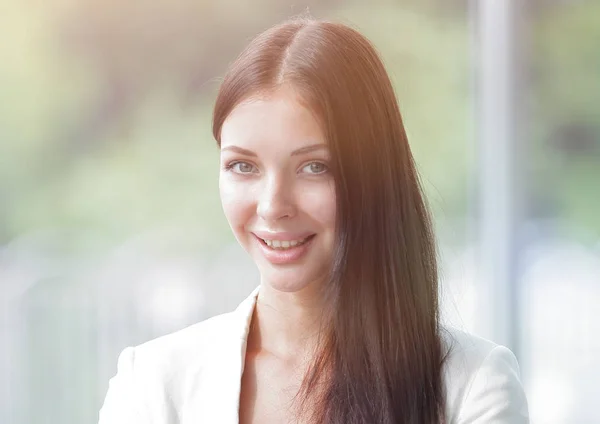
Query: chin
287,281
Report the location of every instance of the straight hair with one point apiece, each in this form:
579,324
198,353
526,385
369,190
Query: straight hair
380,357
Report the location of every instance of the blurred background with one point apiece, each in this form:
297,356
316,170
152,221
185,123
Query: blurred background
111,230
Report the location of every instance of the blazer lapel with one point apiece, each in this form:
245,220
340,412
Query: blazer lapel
216,398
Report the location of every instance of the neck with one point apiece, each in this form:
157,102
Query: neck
285,324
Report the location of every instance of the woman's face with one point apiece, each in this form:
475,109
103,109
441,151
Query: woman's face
277,191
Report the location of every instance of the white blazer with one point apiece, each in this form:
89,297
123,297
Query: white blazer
193,376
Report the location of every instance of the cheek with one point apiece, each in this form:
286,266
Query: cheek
321,206
236,203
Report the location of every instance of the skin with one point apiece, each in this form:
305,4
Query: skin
275,189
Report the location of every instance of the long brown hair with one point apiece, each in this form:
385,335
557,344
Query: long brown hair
381,356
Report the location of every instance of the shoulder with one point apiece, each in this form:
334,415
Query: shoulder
199,343
194,340
176,374
153,378
482,381
176,354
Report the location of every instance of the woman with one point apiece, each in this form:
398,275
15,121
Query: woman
319,186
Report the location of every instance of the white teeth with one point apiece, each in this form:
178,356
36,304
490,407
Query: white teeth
285,244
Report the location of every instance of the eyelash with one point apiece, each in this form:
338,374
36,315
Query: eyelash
230,165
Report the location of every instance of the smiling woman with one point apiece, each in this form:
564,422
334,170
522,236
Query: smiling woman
276,189
319,186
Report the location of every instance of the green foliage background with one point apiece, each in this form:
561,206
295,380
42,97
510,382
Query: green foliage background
105,128
105,136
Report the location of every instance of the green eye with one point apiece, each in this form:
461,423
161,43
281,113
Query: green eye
241,167
316,168
244,167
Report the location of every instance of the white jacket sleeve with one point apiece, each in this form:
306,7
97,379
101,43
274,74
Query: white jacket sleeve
495,394
123,403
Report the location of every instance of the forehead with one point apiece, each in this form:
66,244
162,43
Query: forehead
277,120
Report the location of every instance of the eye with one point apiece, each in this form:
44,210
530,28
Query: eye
240,167
315,168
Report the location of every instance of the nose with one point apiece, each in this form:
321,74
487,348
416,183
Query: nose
276,200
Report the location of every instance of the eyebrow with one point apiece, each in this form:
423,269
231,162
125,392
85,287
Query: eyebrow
300,151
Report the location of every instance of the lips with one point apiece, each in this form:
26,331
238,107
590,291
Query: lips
289,255
283,235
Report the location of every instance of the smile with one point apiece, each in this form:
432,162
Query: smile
285,244
281,252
